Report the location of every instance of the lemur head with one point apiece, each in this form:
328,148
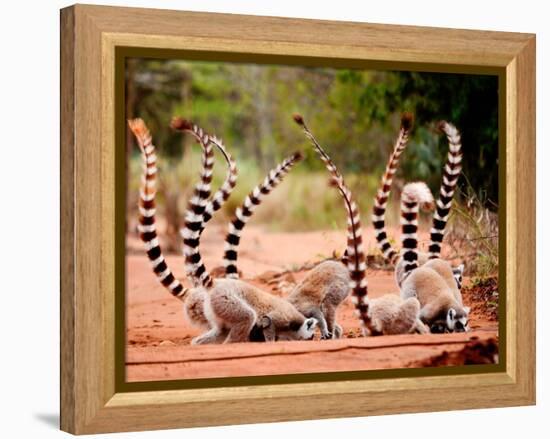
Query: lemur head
456,320
457,274
296,329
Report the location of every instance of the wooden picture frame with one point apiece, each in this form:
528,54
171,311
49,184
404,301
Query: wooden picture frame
90,37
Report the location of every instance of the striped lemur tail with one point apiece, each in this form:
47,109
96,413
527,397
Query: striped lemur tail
245,211
451,172
195,214
224,192
381,199
355,255
413,195
147,228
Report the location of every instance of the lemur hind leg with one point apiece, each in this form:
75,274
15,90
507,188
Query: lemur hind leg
213,336
234,313
326,333
336,295
329,311
420,328
240,331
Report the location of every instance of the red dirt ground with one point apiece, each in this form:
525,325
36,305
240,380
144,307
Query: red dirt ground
158,336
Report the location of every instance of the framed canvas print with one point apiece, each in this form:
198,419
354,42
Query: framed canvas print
277,219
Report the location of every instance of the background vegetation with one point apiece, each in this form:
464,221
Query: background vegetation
354,114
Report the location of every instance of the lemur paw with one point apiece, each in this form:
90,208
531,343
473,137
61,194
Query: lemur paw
326,336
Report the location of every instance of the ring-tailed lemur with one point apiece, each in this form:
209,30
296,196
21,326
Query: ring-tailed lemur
196,312
194,309
320,293
194,306
423,257
329,284
394,314
233,308
440,217
277,318
243,214
433,283
451,172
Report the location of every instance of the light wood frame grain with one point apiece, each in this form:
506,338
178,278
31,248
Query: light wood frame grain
89,37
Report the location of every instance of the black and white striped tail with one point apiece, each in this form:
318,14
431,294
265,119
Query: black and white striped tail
245,211
224,192
147,228
413,194
381,199
355,254
451,172
194,216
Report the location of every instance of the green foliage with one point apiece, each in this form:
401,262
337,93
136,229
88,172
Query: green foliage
354,114
468,101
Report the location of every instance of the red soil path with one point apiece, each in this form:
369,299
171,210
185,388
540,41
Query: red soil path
158,336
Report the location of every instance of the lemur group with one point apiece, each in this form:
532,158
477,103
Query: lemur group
230,310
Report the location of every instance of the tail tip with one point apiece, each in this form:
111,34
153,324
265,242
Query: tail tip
180,124
298,119
442,126
448,128
297,156
407,120
138,127
420,192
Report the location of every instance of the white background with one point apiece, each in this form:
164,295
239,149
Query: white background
29,179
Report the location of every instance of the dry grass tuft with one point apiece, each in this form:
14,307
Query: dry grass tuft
473,235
